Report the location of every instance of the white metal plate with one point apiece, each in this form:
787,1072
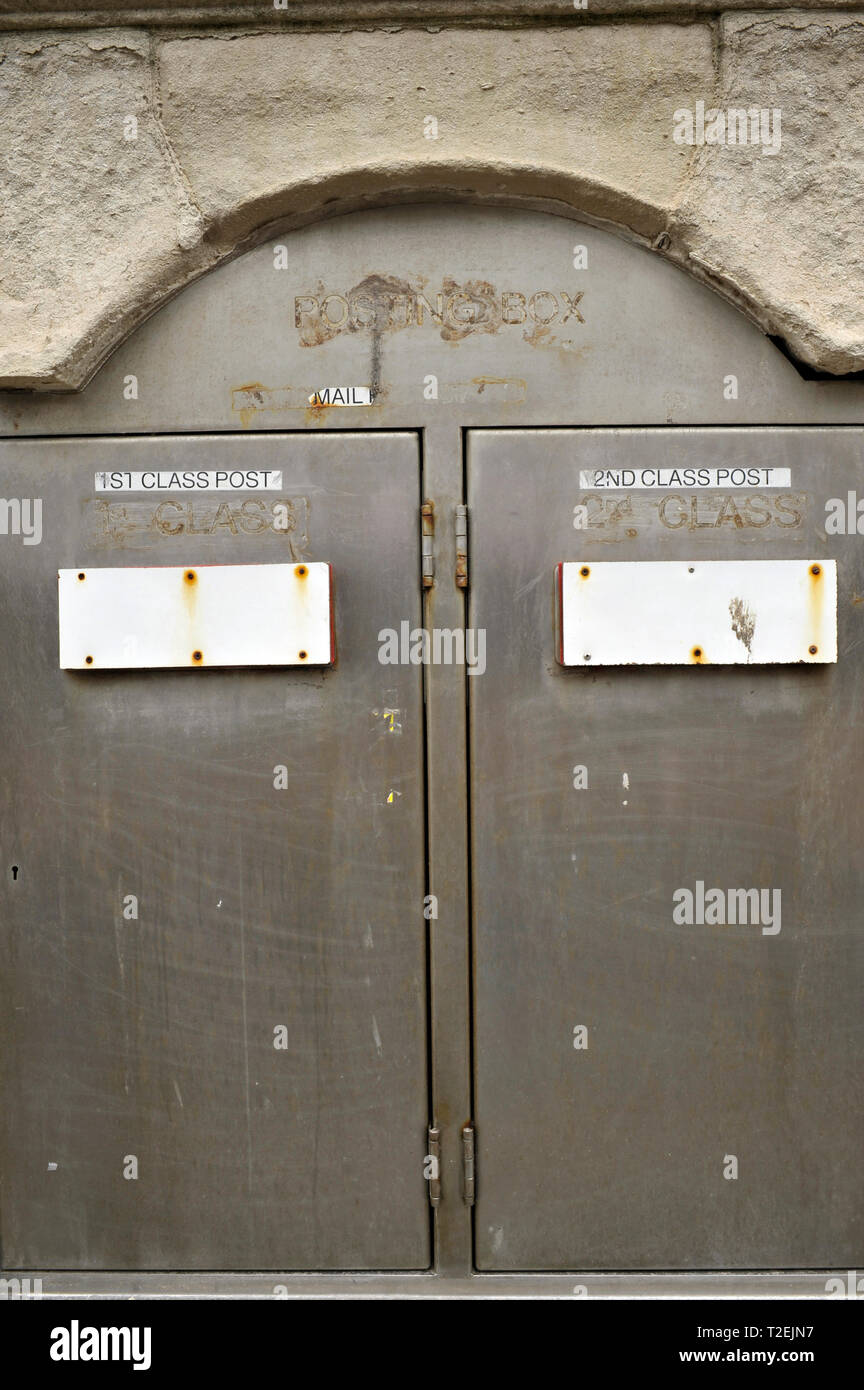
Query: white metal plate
196,615
716,612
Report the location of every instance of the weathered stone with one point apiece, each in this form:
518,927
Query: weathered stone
289,127
783,232
243,133
95,230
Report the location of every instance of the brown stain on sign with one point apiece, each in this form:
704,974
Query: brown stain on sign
190,599
743,622
816,586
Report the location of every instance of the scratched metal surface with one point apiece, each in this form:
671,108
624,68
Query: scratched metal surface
245,347
703,1041
235,354
257,907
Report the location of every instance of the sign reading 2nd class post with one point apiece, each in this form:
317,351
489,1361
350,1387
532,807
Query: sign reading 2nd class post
191,480
597,478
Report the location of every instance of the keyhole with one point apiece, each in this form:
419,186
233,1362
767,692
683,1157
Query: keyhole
14,871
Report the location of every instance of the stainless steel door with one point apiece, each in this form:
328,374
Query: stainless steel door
255,1037
649,1094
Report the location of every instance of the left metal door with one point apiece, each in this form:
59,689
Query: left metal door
235,1077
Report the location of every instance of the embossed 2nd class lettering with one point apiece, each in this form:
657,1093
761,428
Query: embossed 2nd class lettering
676,511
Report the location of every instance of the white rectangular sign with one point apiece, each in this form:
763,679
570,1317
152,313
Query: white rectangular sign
627,479
196,615
697,613
190,480
342,395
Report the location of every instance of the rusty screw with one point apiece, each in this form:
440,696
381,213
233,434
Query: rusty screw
302,655
585,571
815,569
697,652
190,576
197,656
301,571
82,575
812,650
89,660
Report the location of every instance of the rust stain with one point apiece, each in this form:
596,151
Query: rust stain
253,390
697,656
190,596
817,590
314,329
427,524
481,382
383,292
538,336
314,414
475,307
371,304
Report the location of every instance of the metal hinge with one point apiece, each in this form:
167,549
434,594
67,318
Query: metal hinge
462,547
468,1175
427,543
433,1164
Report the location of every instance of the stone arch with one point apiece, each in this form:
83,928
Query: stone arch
243,135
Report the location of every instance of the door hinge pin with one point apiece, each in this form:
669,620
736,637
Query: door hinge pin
462,547
427,543
433,1164
468,1163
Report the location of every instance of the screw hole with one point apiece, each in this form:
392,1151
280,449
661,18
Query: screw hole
815,569
585,571
89,660
197,656
813,650
302,655
301,570
82,575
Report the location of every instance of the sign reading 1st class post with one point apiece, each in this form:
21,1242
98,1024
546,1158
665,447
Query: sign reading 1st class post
191,480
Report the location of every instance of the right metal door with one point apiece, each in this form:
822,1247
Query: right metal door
652,1095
